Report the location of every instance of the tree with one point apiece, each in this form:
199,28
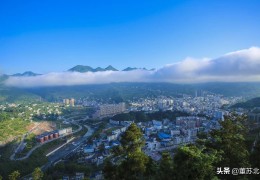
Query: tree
1,178
255,158
14,175
132,139
109,170
133,167
132,161
166,167
37,174
229,141
255,155
151,169
190,162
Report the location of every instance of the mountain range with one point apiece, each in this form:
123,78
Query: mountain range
81,69
26,73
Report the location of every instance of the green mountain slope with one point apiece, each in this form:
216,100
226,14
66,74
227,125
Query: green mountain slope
16,95
118,92
255,102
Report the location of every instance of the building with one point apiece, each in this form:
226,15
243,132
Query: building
219,115
115,134
153,144
190,121
68,102
157,124
109,109
89,149
112,137
164,137
47,136
199,93
113,122
72,102
79,176
100,160
65,131
149,131
175,132
126,123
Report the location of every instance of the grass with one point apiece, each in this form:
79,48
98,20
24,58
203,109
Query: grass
12,128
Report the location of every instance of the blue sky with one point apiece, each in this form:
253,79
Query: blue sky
47,36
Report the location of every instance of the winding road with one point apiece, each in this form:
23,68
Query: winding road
68,149
12,157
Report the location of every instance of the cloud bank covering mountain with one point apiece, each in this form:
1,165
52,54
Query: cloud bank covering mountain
238,66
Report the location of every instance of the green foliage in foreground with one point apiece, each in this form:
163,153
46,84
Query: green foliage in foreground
255,152
37,174
132,157
229,141
14,175
69,168
190,162
224,147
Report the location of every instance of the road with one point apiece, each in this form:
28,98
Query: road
65,150
12,157
68,149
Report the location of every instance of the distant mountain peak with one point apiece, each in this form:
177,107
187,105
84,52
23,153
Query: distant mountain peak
26,73
99,69
82,69
134,68
130,69
110,68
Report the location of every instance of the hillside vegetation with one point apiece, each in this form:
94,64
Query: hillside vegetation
12,128
255,102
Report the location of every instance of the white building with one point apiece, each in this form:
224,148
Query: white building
153,145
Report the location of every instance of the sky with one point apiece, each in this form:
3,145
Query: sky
53,36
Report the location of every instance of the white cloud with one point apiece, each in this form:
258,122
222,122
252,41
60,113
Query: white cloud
239,66
76,78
